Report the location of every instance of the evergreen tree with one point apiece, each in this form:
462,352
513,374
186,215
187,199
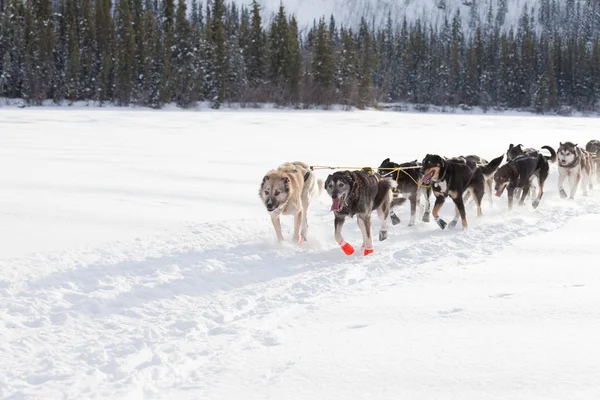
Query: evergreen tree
168,33
126,65
323,65
183,62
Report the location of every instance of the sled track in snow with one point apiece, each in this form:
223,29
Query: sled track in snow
170,308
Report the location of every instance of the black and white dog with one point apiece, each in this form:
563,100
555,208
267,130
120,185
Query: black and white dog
359,193
576,164
593,147
519,173
407,177
453,177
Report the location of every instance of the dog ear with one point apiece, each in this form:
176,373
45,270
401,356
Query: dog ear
561,143
510,146
264,180
387,160
575,145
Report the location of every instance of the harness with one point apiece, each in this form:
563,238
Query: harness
306,175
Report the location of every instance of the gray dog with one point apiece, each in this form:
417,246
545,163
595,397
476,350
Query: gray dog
359,193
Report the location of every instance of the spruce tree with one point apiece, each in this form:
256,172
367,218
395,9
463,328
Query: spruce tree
126,65
323,65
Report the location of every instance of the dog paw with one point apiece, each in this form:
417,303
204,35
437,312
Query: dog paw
453,223
411,224
382,235
395,219
535,203
563,194
426,218
585,194
346,248
441,223
367,251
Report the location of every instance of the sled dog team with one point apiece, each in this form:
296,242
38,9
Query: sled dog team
289,189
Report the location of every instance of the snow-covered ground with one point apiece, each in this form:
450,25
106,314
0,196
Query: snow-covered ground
136,261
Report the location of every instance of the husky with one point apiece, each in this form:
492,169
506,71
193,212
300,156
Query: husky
593,147
359,193
407,180
520,172
576,164
453,177
289,190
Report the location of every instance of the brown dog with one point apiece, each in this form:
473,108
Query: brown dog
289,190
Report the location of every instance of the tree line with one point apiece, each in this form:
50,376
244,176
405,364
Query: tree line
154,52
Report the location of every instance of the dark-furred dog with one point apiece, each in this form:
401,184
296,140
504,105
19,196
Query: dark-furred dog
453,177
519,173
593,147
489,182
407,178
359,193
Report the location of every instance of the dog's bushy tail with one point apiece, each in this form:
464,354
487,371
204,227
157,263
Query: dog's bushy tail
489,169
552,157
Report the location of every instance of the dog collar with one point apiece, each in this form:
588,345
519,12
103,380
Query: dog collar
442,178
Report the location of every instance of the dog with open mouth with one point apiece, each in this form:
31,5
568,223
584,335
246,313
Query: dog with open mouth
360,193
593,147
289,190
520,172
454,177
407,177
576,164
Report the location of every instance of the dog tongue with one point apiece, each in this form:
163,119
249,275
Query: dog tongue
427,178
337,204
499,192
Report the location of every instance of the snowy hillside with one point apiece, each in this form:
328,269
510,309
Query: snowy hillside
137,262
349,12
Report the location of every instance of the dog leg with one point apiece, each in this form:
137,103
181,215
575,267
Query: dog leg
454,221
586,181
478,194
384,224
277,225
439,202
338,222
365,228
561,181
298,218
369,232
427,205
541,180
574,180
511,196
460,205
413,208
304,229
524,195
490,182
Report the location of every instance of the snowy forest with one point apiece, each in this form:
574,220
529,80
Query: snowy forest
155,52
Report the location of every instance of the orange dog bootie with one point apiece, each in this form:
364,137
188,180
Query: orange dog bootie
346,247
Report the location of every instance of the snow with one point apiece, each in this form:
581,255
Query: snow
137,262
